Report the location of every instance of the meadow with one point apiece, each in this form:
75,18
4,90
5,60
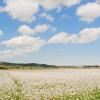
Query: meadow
50,84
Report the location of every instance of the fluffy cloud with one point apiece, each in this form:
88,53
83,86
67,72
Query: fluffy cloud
24,10
1,32
26,30
47,17
89,12
51,4
85,36
88,35
26,42
21,9
23,41
61,38
41,28
23,44
70,3
16,52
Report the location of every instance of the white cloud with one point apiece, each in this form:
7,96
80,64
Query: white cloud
24,10
85,36
89,12
70,3
22,45
23,41
51,4
61,38
41,28
88,35
26,42
17,52
59,9
47,17
26,30
1,32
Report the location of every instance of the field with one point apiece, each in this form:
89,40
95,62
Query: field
50,84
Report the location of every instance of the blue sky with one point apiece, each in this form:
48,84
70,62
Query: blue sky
62,32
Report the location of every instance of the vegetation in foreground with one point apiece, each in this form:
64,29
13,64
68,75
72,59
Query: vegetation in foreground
50,85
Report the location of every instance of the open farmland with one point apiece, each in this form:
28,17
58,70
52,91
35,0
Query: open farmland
50,84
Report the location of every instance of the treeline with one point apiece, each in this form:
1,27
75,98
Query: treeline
7,65
93,66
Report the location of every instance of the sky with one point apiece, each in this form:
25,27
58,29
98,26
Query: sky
59,32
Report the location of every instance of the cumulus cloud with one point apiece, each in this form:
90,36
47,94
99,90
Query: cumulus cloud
41,28
70,3
51,4
61,38
47,17
26,42
85,36
16,52
23,41
24,10
1,32
26,30
22,45
88,35
89,12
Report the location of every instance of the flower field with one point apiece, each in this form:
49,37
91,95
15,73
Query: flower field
50,84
